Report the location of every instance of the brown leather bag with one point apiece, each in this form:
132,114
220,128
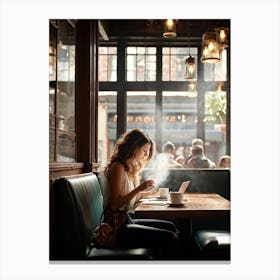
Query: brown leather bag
115,218
104,236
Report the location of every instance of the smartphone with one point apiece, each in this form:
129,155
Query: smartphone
150,188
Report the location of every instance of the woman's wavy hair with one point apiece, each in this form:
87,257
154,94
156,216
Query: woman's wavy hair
125,149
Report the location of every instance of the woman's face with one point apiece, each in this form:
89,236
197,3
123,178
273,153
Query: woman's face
143,152
227,163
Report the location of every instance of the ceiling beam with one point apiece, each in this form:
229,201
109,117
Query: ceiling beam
102,31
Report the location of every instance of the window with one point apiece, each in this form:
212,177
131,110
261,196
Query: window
62,136
141,63
179,119
179,113
173,62
107,64
107,124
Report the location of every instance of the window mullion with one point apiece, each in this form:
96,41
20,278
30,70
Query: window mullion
122,88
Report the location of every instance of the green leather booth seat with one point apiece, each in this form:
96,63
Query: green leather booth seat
76,208
213,244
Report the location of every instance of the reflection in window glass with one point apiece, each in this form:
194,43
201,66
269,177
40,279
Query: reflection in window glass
66,147
173,62
215,124
66,87
141,64
216,71
66,62
52,63
179,119
107,64
141,111
107,124
62,134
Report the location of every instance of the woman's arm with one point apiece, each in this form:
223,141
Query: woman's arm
115,179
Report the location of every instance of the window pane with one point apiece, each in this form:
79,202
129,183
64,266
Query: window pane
141,111
142,60
165,50
179,119
102,68
107,64
114,75
62,98
131,50
66,106
173,63
140,74
51,139
131,62
66,147
150,75
66,62
107,124
131,76
52,63
112,50
112,67
102,50
166,68
140,50
215,124
216,71
151,50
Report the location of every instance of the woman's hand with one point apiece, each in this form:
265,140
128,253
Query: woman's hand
149,190
145,185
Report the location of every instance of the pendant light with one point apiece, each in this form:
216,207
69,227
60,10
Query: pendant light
210,51
190,67
190,62
169,28
222,33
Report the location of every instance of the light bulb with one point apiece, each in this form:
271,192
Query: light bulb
211,46
222,35
205,51
191,69
169,23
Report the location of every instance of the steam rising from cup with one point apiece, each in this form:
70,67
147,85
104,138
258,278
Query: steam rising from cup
158,170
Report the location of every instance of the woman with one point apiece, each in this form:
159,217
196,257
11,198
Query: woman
132,151
224,162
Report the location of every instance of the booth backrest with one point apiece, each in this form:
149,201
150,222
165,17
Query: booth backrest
202,180
78,206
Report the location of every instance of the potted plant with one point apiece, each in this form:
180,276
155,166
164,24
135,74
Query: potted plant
216,109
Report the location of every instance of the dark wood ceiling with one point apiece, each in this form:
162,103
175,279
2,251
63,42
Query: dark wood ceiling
145,30
153,28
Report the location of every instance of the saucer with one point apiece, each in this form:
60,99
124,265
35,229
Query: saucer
161,197
176,204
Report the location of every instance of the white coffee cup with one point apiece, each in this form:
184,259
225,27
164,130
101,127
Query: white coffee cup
163,192
176,197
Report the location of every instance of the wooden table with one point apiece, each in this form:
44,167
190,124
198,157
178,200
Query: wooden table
197,205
